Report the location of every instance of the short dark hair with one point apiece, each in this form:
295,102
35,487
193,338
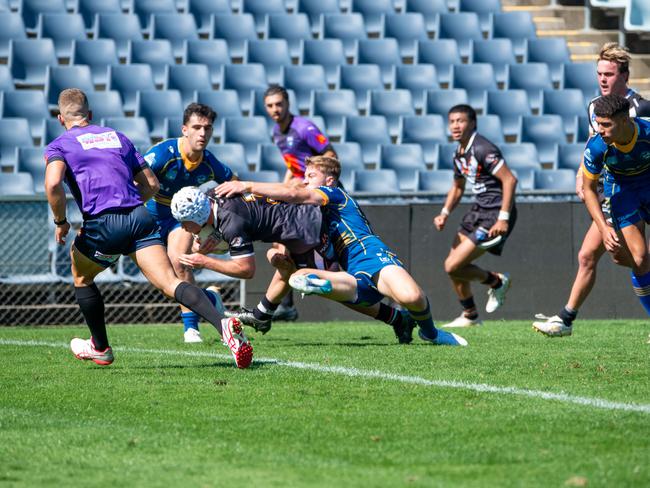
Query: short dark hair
276,90
200,110
611,105
463,109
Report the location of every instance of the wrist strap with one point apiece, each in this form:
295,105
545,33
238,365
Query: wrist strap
503,215
444,211
61,222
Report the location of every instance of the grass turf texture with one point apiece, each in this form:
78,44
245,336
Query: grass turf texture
163,419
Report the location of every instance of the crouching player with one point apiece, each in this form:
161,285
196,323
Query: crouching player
372,270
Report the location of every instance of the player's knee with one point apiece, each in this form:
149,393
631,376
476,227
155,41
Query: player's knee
641,263
587,259
451,266
410,296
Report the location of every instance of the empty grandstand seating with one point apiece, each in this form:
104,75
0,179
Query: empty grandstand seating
370,132
532,77
569,103
430,9
261,8
105,104
406,160
417,78
248,131
517,26
392,104
29,59
551,50
157,53
373,12
569,156
31,105
203,11
231,154
188,79
176,28
510,105
329,53
333,106
559,180
303,80
31,160
476,79
273,54
135,128
498,52
236,29
443,54
490,127
378,181
440,101
63,29
349,28
315,8
637,16
119,27
408,29
31,9
99,55
244,78
270,159
213,53
62,77
521,155
546,132
128,80
436,181
90,8
464,27
155,106
293,28
382,52
14,134
426,130
16,184
147,10
13,28
583,77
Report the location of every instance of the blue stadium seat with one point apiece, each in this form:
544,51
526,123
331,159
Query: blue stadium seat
569,104
203,11
522,155
525,178
382,52
128,80
271,159
13,28
489,126
244,78
392,104
54,129
550,50
378,181
105,104
440,101
583,129
559,180
462,26
349,28
224,102
176,28
146,10
157,53
62,29
484,8
173,127
213,53
294,28
188,79
443,54
273,54
155,106
476,79
90,8
236,29
350,155
637,16
249,131
119,27
417,78
29,59
510,105
303,80
98,54
430,9
408,29
546,131
6,80
569,156
532,77
31,160
31,9
31,105
315,8
61,77
261,8
16,184
406,160
436,181
361,78
263,176
373,11
333,106
135,128
329,53
518,26
14,133
370,132
446,155
582,76
498,52
426,130
232,154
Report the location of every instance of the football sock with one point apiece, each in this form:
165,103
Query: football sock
389,315
196,300
493,280
287,301
91,304
641,286
568,315
469,308
265,309
424,320
190,320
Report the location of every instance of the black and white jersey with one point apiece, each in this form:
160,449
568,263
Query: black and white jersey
639,107
477,163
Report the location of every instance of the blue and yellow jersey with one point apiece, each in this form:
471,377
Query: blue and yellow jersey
174,171
624,164
348,228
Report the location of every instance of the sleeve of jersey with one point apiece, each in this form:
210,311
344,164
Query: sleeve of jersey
331,195
155,159
53,153
316,139
133,158
493,161
221,171
593,159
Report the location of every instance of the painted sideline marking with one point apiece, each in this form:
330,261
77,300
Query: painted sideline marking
360,373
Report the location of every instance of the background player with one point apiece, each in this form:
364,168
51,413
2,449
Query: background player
114,223
177,163
487,224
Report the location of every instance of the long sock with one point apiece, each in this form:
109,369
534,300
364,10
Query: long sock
389,315
265,309
287,301
568,315
641,286
424,320
493,280
469,308
196,300
91,304
190,320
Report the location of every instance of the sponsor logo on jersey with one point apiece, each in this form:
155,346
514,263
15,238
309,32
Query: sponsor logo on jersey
321,139
105,140
150,159
171,174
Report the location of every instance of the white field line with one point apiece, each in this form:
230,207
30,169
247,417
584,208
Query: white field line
354,372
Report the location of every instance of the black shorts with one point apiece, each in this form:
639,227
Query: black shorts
479,220
105,238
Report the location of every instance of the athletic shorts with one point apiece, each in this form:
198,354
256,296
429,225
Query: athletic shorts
104,238
167,226
630,205
477,222
365,268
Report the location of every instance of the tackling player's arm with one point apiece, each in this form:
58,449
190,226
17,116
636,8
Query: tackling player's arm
54,175
292,193
508,185
240,267
147,183
453,197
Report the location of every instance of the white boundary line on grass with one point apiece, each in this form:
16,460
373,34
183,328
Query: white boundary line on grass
360,373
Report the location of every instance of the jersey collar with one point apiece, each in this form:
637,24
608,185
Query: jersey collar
630,145
470,142
189,165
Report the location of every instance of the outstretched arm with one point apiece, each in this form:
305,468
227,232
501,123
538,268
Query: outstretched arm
54,174
291,193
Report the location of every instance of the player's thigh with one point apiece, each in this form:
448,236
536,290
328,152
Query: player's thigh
462,253
179,241
156,267
633,237
84,269
592,244
397,283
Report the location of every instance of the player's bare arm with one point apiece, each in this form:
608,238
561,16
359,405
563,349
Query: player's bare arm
147,183
243,267
610,238
508,185
277,191
54,174
453,197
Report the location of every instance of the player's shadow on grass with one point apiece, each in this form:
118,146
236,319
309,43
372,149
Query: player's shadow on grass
345,344
211,365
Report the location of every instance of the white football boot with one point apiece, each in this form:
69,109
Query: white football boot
239,345
496,296
85,350
551,326
463,321
192,336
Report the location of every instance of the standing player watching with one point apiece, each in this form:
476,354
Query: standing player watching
109,180
613,74
488,223
297,138
177,163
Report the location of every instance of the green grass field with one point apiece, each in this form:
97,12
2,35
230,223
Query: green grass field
331,405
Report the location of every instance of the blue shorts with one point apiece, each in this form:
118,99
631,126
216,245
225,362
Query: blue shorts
629,205
105,238
365,268
167,226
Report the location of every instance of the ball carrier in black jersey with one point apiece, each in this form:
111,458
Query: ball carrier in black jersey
488,223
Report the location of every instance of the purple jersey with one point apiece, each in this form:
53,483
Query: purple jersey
100,164
302,139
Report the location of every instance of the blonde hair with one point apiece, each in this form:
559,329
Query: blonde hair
329,166
616,53
73,104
